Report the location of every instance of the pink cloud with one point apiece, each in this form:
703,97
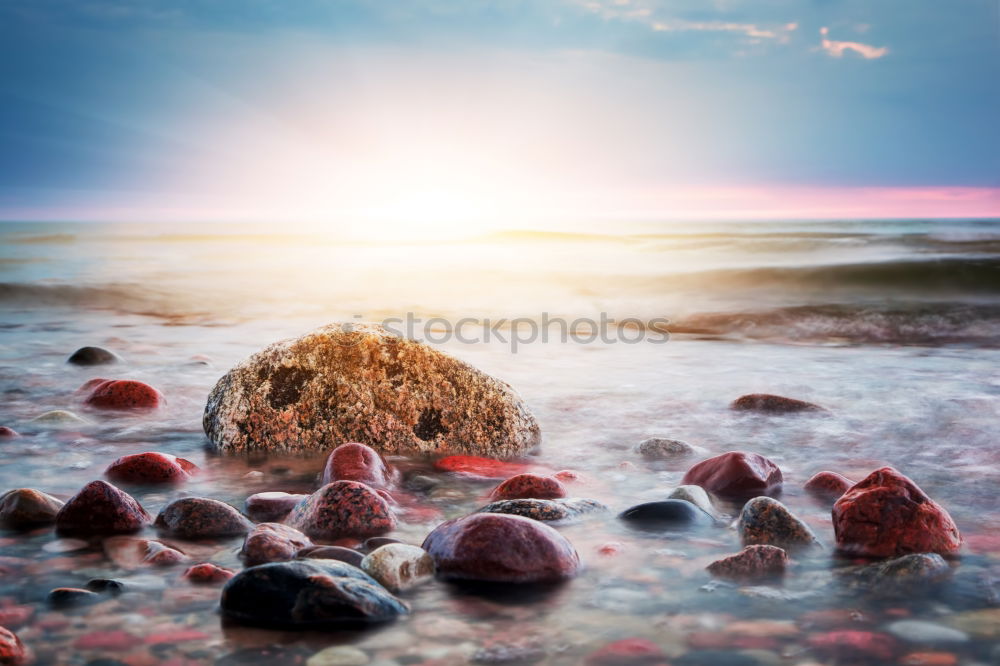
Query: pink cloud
837,49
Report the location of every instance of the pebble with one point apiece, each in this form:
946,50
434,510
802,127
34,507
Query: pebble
766,521
272,542
150,467
348,555
493,547
558,510
88,356
124,394
697,496
100,508
272,506
399,566
341,509
665,515
908,575
12,652
357,462
207,574
767,403
339,655
827,486
8,433
751,563
661,448
68,597
60,418
929,659
25,508
529,486
736,475
201,518
917,631
106,585
133,553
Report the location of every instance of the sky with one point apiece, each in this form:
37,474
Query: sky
470,113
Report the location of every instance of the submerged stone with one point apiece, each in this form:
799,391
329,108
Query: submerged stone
132,552
357,462
25,508
207,574
100,508
697,496
767,403
557,510
298,395
529,486
124,394
666,515
340,553
150,467
751,563
12,651
341,509
272,542
60,418
766,521
399,566
8,433
827,485
661,448
68,597
272,506
88,356
480,468
201,518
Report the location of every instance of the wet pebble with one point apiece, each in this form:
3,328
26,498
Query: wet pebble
150,467
272,542
341,509
60,418
767,403
558,510
201,518
627,651
666,515
271,506
697,496
478,467
8,433
101,508
736,475
207,574
752,563
661,448
132,552
766,521
848,645
529,486
399,566
124,394
340,553
827,485
69,597
89,356
357,462
24,508
12,652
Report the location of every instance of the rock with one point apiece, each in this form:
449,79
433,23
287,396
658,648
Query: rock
93,356
665,515
272,542
377,542
478,467
558,510
132,552
847,645
887,515
307,593
660,448
398,566
360,383
124,394
100,508
357,462
917,631
150,467
750,564
207,574
766,521
492,547
201,518
736,475
907,576
8,433
340,509
25,508
69,597
106,586
827,485
348,555
627,651
766,403
272,507
12,651
697,496
529,486
339,655
60,418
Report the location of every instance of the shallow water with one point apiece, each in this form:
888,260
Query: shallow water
930,409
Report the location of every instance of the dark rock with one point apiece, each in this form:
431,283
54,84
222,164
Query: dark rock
93,356
272,507
25,508
150,467
491,547
357,462
201,518
887,515
558,510
307,593
68,597
767,522
908,576
8,433
750,564
661,448
529,486
377,542
12,651
272,542
827,485
124,394
421,483
207,574
100,508
773,404
106,586
299,395
341,509
348,555
665,515
736,475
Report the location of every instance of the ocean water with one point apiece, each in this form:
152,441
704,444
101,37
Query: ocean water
892,326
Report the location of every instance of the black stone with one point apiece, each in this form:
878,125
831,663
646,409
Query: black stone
666,514
68,597
93,356
108,585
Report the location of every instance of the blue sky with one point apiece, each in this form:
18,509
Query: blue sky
319,108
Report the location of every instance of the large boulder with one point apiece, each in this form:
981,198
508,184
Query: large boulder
888,515
360,383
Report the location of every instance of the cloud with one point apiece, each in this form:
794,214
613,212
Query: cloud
837,49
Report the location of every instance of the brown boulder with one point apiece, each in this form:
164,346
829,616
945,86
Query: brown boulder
736,475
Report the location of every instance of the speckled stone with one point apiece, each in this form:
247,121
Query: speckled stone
767,403
272,542
150,467
357,462
307,593
299,395
907,576
88,356
100,508
766,521
201,518
827,485
25,508
399,566
124,394
529,486
557,510
340,509
272,506
918,631
207,574
736,475
751,563
662,448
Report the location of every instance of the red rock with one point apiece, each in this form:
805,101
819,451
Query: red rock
736,475
270,507
773,404
529,486
496,547
753,562
8,433
124,394
11,649
150,467
627,651
567,475
207,574
90,385
482,468
25,508
201,518
854,645
272,542
887,515
100,508
107,640
342,509
611,548
827,485
357,462
929,659
133,553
